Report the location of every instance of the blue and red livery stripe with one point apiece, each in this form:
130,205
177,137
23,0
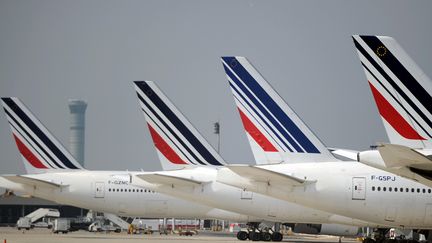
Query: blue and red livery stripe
41,135
392,116
164,148
271,105
256,134
190,137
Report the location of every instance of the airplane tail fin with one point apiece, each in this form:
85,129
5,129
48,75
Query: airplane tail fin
40,151
177,142
401,90
276,134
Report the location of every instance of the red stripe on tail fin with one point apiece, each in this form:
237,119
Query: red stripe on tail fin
164,148
256,134
30,157
392,116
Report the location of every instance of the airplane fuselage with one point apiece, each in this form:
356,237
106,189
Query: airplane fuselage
355,190
219,195
111,192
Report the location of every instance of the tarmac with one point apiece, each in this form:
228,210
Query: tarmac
12,235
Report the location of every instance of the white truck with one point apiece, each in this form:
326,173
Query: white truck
24,223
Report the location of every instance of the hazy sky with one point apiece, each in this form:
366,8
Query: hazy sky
51,51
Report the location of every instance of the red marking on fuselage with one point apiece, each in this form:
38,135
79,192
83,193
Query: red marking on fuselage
392,116
256,134
164,148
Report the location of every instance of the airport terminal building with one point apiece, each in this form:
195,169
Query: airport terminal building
13,207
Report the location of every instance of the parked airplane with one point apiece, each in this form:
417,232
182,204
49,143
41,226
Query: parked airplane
402,93
54,174
345,188
192,177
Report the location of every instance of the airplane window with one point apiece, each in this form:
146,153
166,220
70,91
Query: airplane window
133,190
412,189
401,189
384,189
429,190
379,188
424,190
145,190
390,189
396,189
418,190
373,188
117,189
406,189
129,190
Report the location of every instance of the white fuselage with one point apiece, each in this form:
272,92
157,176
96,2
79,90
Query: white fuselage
111,192
219,195
354,190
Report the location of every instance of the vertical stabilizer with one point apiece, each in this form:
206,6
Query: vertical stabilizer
276,134
177,141
40,151
401,90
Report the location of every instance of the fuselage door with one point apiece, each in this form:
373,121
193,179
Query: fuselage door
358,188
246,195
391,213
99,190
428,215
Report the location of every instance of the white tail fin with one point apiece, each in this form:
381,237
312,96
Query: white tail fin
40,151
177,142
402,92
276,134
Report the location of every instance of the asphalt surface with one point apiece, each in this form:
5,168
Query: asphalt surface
12,235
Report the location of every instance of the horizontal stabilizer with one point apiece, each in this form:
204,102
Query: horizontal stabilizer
257,174
399,156
168,180
32,181
345,153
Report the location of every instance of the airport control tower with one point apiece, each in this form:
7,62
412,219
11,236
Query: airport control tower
77,129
